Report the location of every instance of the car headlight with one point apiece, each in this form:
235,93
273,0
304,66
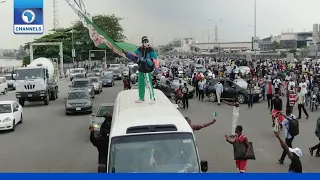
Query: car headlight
88,104
8,119
69,105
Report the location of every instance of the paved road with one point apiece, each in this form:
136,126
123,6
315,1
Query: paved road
50,141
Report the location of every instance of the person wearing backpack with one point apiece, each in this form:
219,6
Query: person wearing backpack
291,126
316,147
185,98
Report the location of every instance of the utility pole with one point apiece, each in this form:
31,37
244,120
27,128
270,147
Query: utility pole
255,28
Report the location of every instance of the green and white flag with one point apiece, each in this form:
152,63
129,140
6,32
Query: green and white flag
99,38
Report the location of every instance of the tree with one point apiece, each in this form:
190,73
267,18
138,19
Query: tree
277,45
110,24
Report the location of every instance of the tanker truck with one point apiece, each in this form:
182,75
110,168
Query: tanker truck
36,82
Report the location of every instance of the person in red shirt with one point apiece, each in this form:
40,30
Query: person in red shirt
197,127
240,138
125,84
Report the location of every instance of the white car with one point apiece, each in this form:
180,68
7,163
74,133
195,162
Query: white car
11,83
11,114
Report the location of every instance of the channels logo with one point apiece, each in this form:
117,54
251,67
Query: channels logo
28,17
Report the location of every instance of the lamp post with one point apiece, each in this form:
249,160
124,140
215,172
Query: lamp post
216,35
255,28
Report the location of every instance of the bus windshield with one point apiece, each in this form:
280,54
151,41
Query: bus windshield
170,152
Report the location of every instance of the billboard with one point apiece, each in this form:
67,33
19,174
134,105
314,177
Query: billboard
255,43
288,44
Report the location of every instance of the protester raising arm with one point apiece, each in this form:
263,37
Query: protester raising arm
283,145
197,127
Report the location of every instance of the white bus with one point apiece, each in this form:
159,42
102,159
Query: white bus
150,138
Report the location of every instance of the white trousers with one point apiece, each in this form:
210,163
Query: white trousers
218,97
235,119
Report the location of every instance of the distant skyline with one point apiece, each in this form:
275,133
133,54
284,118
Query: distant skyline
163,20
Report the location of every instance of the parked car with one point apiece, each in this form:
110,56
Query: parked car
96,72
107,80
169,87
231,90
96,83
97,119
78,101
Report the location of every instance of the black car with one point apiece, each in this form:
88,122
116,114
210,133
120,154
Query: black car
117,75
230,91
107,80
78,84
169,87
78,101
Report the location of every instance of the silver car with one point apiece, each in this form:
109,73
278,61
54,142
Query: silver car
97,119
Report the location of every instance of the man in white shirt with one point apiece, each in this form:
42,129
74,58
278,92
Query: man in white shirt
301,102
291,85
277,84
219,91
303,85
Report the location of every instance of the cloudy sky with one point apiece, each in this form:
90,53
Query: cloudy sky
163,20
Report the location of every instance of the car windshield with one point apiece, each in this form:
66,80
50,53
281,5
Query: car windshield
171,152
80,76
76,71
116,71
80,83
5,108
103,109
35,73
94,80
95,70
9,77
78,95
107,76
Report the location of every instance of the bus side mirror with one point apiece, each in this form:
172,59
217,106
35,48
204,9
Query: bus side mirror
204,166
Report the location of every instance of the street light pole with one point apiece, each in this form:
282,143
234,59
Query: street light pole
255,28
73,50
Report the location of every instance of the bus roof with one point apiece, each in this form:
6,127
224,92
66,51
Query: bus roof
128,113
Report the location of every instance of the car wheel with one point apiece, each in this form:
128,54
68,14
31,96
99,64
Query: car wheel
13,125
213,97
241,98
21,119
67,113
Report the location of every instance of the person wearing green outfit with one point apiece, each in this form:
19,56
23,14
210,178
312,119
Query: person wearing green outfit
147,60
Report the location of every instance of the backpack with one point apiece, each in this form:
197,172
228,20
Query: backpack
184,90
293,127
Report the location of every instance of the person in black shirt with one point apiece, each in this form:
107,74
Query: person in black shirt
276,106
294,154
102,141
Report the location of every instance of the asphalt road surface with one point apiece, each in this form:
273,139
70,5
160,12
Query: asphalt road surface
50,141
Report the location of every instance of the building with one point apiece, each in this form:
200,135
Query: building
181,45
225,46
287,40
268,43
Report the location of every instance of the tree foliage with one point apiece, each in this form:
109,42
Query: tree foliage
277,45
110,24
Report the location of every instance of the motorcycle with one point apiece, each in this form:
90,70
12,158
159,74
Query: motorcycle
177,99
314,102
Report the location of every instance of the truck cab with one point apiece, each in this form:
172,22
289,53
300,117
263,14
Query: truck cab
36,83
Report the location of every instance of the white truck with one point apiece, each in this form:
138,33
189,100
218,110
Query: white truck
36,82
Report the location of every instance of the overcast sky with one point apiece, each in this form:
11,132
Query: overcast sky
163,20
